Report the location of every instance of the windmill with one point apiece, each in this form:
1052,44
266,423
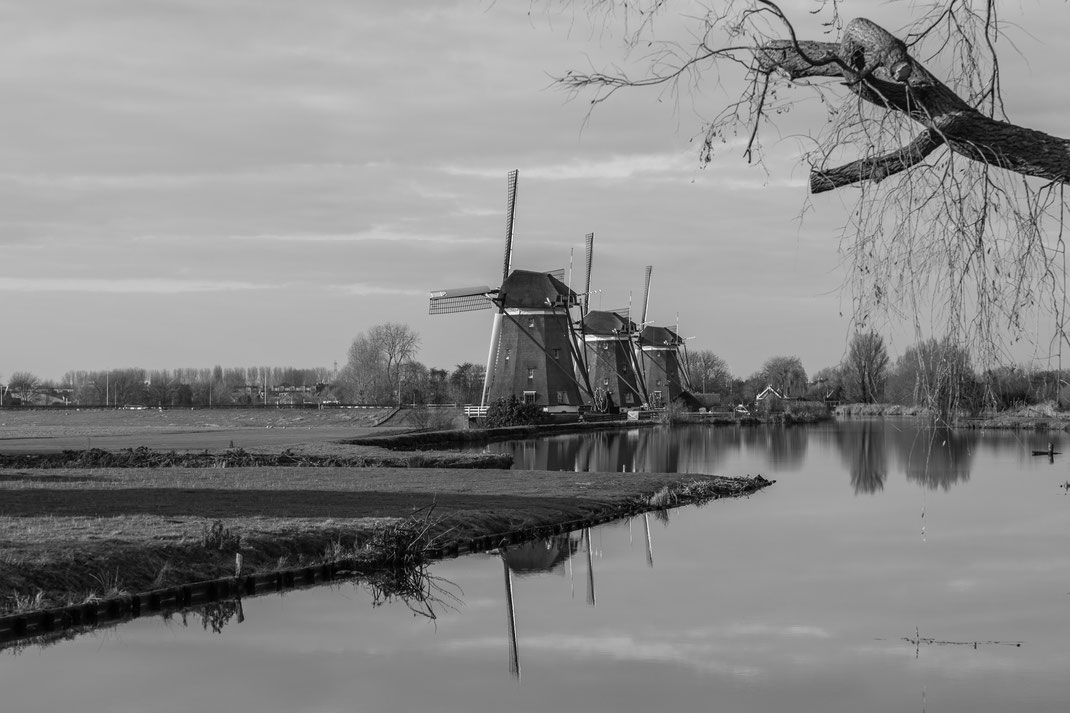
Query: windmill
661,357
532,355
612,369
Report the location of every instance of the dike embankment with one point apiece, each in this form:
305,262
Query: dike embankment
92,536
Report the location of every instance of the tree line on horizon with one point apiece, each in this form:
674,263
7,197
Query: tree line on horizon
936,374
381,369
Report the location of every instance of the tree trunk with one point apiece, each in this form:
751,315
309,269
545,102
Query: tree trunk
946,117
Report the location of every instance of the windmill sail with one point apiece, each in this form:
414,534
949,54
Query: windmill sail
589,242
646,296
461,299
510,213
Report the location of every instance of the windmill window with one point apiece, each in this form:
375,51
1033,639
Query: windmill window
605,347
659,382
508,353
531,375
529,397
605,382
557,353
628,399
531,321
562,397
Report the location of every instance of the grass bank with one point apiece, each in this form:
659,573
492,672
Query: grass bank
72,534
1038,417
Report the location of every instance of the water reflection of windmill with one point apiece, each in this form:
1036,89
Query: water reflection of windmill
532,353
611,360
536,557
662,354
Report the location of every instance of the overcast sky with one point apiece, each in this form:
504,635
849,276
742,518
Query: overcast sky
254,182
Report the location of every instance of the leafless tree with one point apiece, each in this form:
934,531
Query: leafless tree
865,369
959,213
785,374
23,384
373,371
709,372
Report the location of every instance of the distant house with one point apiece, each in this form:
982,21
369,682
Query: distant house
766,393
769,400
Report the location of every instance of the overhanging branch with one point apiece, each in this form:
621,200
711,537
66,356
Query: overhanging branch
876,168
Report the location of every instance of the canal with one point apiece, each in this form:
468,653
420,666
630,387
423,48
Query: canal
891,568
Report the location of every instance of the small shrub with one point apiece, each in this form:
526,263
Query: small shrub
512,412
673,413
805,411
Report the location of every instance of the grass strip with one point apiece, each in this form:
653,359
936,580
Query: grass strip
71,534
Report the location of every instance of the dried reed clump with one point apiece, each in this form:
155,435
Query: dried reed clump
30,602
219,537
700,490
404,550
663,498
406,541
109,584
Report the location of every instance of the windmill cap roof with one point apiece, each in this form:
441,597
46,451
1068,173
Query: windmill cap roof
660,336
527,288
604,323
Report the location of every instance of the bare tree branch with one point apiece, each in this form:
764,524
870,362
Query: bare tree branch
876,168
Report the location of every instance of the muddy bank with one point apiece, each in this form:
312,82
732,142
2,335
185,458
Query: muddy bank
427,440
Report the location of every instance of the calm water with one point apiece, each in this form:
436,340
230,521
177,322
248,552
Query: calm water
859,582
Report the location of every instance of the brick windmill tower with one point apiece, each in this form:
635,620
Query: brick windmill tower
533,354
612,365
663,358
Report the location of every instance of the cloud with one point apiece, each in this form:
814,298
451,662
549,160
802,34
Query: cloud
612,168
359,288
620,648
124,286
673,167
374,234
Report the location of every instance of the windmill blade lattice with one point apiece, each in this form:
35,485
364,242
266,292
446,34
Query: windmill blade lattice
461,299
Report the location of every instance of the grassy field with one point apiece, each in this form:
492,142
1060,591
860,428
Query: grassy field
44,430
69,534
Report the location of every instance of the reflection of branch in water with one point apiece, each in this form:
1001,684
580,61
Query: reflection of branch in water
942,459
918,640
416,587
216,615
